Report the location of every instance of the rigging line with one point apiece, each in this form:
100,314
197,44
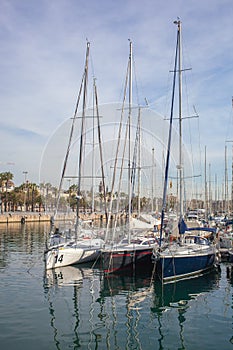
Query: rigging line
124,84
129,127
120,182
135,79
199,142
134,164
69,143
92,66
229,124
186,55
117,152
126,138
189,123
169,144
82,137
101,151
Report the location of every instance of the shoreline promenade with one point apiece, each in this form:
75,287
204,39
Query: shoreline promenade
24,217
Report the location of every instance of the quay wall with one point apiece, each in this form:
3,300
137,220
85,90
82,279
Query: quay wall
24,217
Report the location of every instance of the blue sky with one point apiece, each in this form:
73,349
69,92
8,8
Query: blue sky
42,47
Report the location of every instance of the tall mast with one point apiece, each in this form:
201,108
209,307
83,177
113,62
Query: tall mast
180,118
139,161
129,126
93,150
129,69
168,145
210,190
152,185
72,132
232,182
216,192
226,182
232,171
100,149
226,178
206,193
81,150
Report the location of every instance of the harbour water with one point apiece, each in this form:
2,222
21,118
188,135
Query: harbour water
79,308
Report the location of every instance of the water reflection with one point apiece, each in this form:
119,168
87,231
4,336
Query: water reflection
65,276
229,273
117,311
177,295
71,293
120,284
16,238
79,307
229,277
122,297
176,298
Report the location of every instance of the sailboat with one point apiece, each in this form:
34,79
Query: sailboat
134,251
192,254
79,247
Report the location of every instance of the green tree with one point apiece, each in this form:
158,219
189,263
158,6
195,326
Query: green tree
5,181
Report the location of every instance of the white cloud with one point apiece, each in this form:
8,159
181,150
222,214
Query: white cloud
42,48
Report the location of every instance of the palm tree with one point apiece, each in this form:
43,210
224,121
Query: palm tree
18,197
4,184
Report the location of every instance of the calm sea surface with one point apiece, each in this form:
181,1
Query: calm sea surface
78,308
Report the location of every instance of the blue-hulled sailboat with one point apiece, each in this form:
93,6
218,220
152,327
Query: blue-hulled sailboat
191,254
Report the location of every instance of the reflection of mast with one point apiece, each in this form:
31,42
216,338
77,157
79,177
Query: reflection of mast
102,316
76,315
181,320
161,347
134,298
133,336
81,306
132,291
52,313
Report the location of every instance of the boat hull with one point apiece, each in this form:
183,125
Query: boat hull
121,260
73,253
171,268
62,256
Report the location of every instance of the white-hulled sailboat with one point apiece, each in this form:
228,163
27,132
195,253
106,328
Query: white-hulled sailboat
82,246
